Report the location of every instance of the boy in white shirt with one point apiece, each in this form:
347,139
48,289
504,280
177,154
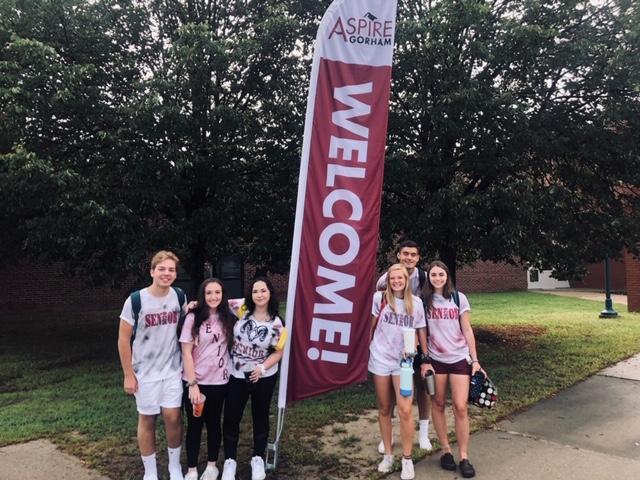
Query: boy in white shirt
152,364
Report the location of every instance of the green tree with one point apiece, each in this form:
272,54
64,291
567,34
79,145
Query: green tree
513,131
155,124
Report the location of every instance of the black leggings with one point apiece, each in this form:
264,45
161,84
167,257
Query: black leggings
237,396
210,416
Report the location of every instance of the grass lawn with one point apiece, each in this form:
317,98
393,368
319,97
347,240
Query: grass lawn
60,377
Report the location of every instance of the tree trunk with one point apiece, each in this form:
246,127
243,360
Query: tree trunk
196,265
448,255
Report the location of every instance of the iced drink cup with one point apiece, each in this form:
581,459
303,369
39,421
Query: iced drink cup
198,408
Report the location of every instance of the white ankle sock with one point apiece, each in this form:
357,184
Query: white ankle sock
424,424
174,457
150,467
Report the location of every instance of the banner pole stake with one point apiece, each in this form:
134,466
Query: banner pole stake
275,445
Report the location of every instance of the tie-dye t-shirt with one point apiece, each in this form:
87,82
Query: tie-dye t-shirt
387,344
210,350
155,351
446,341
253,342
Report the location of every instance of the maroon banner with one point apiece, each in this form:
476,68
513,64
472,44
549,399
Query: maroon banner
338,211
340,232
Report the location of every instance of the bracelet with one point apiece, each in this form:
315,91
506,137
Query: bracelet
192,383
474,361
424,358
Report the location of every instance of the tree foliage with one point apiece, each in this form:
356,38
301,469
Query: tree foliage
514,131
151,125
129,126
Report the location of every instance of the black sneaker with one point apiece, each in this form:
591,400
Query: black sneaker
466,469
447,462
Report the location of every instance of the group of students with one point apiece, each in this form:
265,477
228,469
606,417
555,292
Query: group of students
226,352
427,302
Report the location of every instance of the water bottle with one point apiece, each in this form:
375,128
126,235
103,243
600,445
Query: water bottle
406,377
429,383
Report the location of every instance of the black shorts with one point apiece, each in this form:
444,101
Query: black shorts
458,368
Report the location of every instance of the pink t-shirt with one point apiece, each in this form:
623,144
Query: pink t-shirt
388,340
446,341
210,352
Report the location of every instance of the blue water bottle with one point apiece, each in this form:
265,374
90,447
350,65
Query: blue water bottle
406,377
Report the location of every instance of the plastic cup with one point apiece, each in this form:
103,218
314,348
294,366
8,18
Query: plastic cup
198,408
248,369
409,335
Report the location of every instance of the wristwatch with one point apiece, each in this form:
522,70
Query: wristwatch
192,383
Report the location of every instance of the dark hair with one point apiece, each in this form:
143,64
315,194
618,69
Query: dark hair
202,311
407,244
273,305
429,290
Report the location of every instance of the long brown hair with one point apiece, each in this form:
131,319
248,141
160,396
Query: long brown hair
408,296
202,312
429,290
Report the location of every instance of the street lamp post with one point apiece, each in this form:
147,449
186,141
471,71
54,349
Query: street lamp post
608,311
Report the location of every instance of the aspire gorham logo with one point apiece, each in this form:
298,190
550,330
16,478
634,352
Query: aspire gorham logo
365,30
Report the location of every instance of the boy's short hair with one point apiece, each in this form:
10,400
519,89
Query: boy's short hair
407,244
163,255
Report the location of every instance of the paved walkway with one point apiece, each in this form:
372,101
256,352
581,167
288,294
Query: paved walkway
585,294
42,460
590,431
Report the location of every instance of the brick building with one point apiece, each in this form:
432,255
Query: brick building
29,287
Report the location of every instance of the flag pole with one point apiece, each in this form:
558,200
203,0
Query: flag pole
293,269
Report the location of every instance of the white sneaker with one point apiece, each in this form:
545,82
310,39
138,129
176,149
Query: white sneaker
386,465
210,473
381,446
229,470
407,469
257,469
425,443
191,475
175,474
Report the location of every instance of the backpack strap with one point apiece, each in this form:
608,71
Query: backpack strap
456,298
455,295
182,300
383,303
136,306
422,278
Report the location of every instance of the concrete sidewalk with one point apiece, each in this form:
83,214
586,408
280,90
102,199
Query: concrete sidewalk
42,460
586,294
590,431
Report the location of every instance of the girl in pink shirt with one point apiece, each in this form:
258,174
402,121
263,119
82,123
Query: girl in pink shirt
392,311
452,349
206,338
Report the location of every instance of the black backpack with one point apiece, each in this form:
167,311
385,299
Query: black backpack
422,278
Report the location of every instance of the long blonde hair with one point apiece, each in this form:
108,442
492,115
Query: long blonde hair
407,296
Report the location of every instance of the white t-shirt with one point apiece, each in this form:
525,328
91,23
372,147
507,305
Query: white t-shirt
253,342
414,281
387,344
446,341
156,352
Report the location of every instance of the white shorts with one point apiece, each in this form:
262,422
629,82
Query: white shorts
383,369
152,396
